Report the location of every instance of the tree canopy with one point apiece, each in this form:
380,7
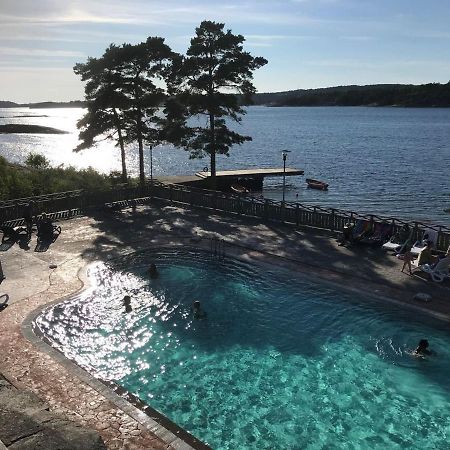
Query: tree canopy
126,87
122,96
207,82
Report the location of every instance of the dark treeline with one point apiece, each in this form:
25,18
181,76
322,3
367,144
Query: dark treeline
71,104
425,95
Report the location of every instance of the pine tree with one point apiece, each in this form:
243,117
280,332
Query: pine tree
213,81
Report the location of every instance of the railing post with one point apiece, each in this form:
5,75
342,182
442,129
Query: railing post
297,214
332,219
170,193
266,208
416,231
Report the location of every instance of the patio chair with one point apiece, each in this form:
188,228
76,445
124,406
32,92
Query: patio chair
429,235
439,271
47,232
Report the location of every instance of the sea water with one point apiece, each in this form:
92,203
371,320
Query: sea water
388,161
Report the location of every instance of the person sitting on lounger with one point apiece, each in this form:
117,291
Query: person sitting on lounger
425,256
346,233
45,228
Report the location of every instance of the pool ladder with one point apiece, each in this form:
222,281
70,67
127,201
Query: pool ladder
217,247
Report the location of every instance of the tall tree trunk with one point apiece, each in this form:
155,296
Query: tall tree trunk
122,146
213,181
141,147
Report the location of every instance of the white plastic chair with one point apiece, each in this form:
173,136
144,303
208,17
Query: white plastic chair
440,271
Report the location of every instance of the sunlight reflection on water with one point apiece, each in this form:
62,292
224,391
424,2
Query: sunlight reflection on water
389,161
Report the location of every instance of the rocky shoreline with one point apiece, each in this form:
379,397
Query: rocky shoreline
15,128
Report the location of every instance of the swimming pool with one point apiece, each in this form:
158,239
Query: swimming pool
281,362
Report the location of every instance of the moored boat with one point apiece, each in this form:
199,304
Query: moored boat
239,189
316,184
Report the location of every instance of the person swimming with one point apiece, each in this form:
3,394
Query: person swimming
197,310
127,303
422,348
153,271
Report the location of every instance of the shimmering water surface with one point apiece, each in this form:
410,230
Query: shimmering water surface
390,161
280,362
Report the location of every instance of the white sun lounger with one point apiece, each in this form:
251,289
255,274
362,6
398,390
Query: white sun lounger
394,246
429,235
440,271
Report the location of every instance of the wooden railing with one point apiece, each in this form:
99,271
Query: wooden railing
68,204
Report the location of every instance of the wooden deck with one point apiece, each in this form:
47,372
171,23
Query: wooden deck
252,173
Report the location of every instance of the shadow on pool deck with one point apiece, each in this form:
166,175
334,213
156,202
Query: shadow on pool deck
310,247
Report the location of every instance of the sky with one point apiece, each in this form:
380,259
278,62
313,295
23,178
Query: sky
308,43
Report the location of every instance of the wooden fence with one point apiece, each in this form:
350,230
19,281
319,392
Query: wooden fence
68,204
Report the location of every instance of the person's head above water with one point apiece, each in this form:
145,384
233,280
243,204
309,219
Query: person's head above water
127,299
423,344
197,304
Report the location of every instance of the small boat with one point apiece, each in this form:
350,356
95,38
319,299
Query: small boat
239,189
316,184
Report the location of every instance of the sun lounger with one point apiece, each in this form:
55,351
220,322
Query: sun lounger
12,233
47,232
429,235
400,241
439,271
361,229
381,232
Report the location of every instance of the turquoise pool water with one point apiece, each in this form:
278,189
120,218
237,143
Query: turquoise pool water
281,362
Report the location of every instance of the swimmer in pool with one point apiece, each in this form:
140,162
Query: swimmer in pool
197,311
127,303
422,349
153,271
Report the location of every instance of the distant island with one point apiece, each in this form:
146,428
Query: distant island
403,95
11,128
71,104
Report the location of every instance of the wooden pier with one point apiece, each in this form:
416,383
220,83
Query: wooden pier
249,178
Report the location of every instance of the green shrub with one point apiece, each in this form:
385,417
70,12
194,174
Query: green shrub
37,178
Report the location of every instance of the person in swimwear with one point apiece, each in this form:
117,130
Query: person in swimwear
422,348
153,271
127,303
198,311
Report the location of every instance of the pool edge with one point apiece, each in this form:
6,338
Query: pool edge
174,436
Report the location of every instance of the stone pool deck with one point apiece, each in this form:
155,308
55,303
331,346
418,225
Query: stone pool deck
31,283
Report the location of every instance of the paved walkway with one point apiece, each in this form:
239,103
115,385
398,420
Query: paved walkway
31,283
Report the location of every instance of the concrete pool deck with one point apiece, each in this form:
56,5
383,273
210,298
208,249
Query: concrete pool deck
31,283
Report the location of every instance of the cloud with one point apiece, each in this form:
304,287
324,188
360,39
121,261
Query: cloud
38,52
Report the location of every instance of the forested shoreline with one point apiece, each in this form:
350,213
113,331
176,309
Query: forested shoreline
403,95
414,96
